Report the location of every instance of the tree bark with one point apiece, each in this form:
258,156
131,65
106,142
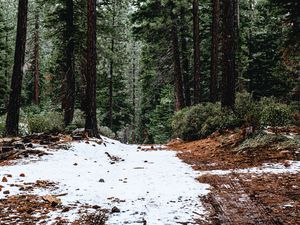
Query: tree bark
214,51
185,59
179,99
134,93
13,110
91,118
69,92
111,73
196,37
228,49
36,63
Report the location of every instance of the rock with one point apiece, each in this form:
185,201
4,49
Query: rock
22,175
45,142
7,148
115,210
52,200
102,181
78,131
67,209
26,140
75,164
19,145
4,180
6,192
96,207
54,139
29,145
77,138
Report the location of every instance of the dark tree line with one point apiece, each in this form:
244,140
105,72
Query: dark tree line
13,109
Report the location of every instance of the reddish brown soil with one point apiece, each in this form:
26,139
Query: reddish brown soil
266,199
242,199
218,152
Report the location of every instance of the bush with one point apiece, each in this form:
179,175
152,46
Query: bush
2,126
46,122
247,110
79,119
275,114
105,131
202,120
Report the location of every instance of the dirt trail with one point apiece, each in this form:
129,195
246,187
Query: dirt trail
247,198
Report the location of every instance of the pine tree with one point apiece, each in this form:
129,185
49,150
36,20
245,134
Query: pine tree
196,35
69,80
228,50
91,120
13,110
214,50
179,103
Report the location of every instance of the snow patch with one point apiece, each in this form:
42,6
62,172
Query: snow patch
154,186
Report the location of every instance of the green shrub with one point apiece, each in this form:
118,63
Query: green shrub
219,121
247,110
275,114
2,126
202,120
105,131
46,122
79,119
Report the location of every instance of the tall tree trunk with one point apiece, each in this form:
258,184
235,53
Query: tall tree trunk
36,63
69,92
214,51
91,119
13,110
228,49
185,59
134,92
250,48
111,72
196,37
237,40
179,99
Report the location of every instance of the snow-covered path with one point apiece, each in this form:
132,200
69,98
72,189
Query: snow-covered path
154,186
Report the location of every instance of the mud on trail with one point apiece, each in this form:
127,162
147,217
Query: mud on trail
240,193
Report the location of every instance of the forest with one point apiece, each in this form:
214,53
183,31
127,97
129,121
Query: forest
153,59
215,81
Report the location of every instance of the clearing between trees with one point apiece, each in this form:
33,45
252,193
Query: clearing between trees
59,179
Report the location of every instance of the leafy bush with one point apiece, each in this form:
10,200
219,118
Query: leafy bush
202,120
247,110
46,122
275,114
2,125
105,131
79,118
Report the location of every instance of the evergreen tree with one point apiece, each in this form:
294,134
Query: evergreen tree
13,110
91,117
228,50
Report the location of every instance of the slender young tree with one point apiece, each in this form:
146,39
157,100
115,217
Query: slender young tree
13,110
179,100
69,81
36,59
228,50
214,50
185,57
196,37
91,119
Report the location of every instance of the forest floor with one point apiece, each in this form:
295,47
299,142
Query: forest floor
254,180
90,181
228,178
